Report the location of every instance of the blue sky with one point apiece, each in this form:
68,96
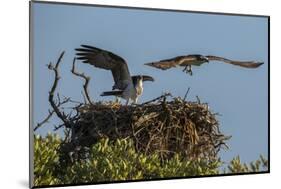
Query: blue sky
140,36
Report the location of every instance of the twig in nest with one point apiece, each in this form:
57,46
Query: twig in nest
155,99
198,99
87,79
186,93
55,107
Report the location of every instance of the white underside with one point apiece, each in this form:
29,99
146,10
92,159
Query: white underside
132,93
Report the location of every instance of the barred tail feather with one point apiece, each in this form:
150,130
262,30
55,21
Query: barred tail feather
112,93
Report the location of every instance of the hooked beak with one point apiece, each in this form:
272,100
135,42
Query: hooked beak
147,78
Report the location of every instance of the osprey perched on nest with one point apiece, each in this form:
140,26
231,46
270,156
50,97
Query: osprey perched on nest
196,60
125,86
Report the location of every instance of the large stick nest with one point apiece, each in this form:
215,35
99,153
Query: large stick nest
165,127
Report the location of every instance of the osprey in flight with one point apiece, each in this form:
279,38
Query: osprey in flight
197,60
125,86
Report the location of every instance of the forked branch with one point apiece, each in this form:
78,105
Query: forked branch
87,80
44,121
185,96
55,107
50,114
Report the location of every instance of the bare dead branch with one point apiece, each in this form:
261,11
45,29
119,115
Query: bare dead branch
74,101
84,97
50,114
55,107
87,80
66,134
58,127
44,121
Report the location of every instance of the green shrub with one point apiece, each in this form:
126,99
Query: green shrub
236,166
46,159
118,160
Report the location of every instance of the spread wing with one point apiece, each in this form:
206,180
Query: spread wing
245,64
164,64
106,60
193,59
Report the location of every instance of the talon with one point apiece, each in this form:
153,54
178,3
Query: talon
116,105
185,69
189,70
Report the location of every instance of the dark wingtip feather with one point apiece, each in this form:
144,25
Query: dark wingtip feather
82,58
82,54
83,50
90,47
79,49
87,46
257,64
